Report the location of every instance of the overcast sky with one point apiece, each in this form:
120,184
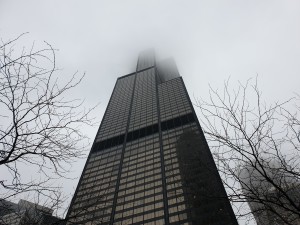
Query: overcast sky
210,41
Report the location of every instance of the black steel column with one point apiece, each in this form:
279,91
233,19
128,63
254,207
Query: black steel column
165,197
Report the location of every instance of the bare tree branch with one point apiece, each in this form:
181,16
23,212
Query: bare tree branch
41,126
256,148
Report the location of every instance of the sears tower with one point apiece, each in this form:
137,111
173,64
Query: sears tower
150,162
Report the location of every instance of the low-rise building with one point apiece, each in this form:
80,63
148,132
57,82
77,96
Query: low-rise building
26,213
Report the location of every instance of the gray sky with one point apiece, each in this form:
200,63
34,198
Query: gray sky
210,41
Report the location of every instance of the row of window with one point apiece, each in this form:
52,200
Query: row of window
130,159
140,220
140,172
99,168
103,179
167,111
137,108
144,145
141,182
103,161
149,161
114,125
105,153
84,212
101,174
144,204
90,201
174,113
95,191
147,114
138,126
124,106
140,193
140,158
138,215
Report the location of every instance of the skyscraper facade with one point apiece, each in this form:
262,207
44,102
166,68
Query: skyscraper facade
150,163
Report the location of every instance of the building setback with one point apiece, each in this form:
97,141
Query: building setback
150,163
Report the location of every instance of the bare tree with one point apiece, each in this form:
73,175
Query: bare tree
36,211
41,125
256,147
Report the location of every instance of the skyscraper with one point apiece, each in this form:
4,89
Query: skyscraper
150,163
272,192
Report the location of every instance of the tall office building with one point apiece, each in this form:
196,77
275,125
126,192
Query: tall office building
150,163
275,201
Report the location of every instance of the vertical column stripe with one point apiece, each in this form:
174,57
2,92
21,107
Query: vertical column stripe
166,212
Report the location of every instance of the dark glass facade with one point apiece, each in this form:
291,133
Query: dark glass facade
150,163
